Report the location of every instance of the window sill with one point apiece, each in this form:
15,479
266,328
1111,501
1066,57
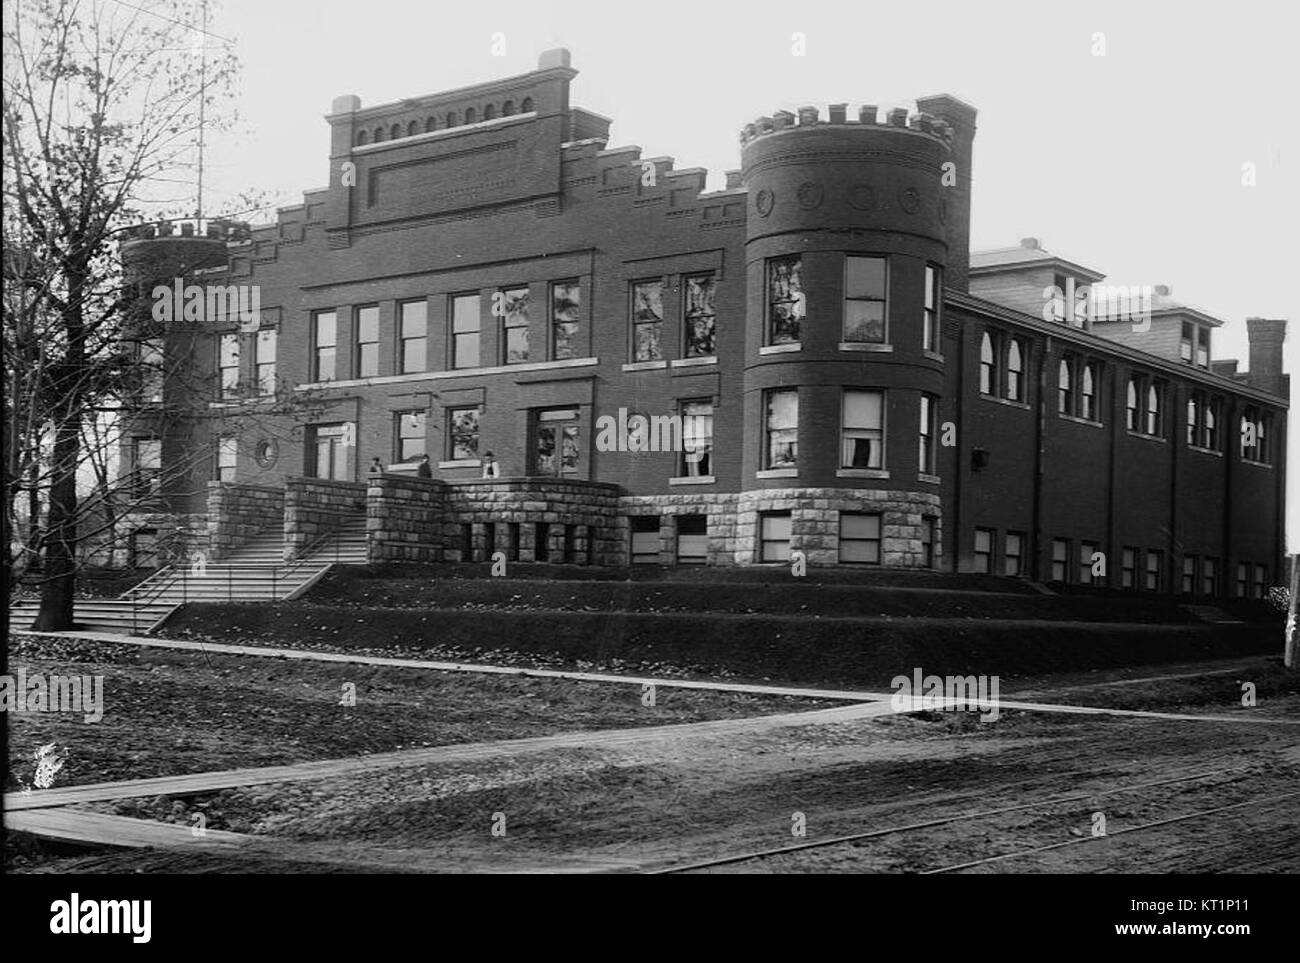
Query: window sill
1010,403
693,362
453,373
1144,436
932,355
778,473
461,463
1080,421
781,348
866,346
862,473
1257,464
693,480
928,478
1205,451
645,365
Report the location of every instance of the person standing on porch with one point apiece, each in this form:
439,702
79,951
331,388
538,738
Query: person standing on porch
490,467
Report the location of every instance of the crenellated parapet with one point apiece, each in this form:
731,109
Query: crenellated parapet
900,118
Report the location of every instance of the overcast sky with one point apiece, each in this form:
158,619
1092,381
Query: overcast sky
1130,163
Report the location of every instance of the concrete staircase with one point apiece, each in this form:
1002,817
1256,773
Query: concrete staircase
255,572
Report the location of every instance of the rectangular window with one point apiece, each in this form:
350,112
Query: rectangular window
566,313
462,434
1254,436
990,347
700,316
227,457
1202,346
925,448
410,435
368,341
774,537
514,322
1017,351
1194,404
647,320
465,327
781,449
786,306
697,439
1013,553
863,434
146,462
1065,386
927,541
151,359
556,451
692,539
1086,551
865,283
1060,559
860,538
1243,580
264,351
1185,343
1155,415
1059,297
1261,582
1189,575
930,333
984,550
1210,578
1128,568
325,339
645,539
1155,571
413,331
228,366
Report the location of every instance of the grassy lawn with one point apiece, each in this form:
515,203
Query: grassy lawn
171,713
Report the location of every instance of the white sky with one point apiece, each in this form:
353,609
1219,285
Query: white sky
1129,163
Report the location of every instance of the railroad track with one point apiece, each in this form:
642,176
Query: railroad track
857,839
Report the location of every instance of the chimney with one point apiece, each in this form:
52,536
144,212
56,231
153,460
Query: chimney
1266,336
559,57
960,117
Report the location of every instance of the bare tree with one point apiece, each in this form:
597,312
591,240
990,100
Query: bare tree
102,105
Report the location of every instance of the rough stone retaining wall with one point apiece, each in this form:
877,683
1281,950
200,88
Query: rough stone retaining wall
238,512
406,519
314,507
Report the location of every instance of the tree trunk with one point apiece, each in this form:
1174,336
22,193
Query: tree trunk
60,570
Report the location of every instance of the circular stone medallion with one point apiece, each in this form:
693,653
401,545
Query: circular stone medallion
763,202
810,195
909,199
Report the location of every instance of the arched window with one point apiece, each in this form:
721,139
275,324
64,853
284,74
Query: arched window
1088,396
1065,387
451,118
1015,371
490,112
471,116
412,129
1153,411
527,105
1211,430
362,137
379,134
395,131
508,109
988,367
431,124
1131,406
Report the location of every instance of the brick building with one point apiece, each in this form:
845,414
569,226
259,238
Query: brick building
836,372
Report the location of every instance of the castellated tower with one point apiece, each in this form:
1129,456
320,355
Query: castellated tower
850,233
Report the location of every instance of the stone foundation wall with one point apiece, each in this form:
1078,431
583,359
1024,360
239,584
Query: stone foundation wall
238,512
314,507
582,519
406,519
720,507
814,522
